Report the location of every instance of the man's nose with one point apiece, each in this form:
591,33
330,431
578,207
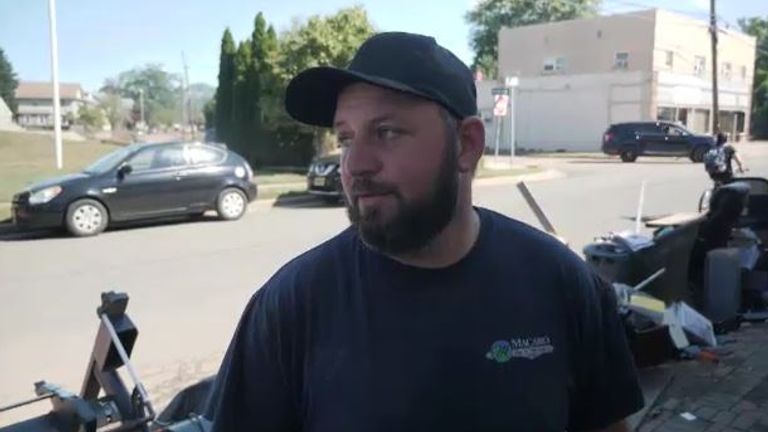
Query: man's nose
360,159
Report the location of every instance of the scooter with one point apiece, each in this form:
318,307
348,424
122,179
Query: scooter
117,409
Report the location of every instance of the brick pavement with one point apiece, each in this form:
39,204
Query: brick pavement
731,395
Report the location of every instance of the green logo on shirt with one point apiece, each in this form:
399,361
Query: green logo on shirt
501,352
528,348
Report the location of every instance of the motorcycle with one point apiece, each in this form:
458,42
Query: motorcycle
117,410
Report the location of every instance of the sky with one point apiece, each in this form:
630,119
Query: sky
98,39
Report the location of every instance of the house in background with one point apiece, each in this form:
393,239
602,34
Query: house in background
6,116
35,103
575,78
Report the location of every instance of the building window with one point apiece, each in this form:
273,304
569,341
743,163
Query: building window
560,64
726,71
744,73
621,60
699,65
554,64
665,113
670,59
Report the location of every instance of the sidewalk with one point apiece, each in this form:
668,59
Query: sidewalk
731,395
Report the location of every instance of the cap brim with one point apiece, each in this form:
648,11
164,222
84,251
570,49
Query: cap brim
311,96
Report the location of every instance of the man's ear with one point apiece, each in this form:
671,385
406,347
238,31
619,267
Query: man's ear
471,143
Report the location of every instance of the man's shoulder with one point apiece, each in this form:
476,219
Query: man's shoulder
512,234
316,264
540,254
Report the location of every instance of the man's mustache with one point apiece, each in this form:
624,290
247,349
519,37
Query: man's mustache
364,186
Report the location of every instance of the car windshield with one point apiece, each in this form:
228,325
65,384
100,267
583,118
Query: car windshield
108,161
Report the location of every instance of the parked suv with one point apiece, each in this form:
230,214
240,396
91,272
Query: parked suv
324,178
631,140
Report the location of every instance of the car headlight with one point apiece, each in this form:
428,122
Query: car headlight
44,195
323,169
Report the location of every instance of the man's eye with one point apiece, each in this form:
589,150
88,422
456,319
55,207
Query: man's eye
388,133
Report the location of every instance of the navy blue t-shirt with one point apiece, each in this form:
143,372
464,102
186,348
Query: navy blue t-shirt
518,335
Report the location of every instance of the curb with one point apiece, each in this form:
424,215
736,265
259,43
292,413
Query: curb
550,174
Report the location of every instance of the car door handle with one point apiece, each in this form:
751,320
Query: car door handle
181,174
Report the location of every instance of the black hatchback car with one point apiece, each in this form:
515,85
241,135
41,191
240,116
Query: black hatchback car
631,140
137,182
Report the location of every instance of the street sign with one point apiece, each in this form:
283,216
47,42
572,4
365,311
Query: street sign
500,103
500,91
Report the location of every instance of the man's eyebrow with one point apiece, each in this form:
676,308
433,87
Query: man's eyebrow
376,120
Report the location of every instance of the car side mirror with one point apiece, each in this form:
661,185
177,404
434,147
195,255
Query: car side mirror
124,170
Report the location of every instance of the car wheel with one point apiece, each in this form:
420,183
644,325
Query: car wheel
698,155
86,217
628,155
231,204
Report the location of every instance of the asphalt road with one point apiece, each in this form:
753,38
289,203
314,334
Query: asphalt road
188,282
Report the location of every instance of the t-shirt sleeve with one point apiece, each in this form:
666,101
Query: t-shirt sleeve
605,387
254,389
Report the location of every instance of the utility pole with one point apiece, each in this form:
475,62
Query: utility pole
186,101
55,79
715,71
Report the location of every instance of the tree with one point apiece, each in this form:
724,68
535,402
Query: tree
249,114
113,107
242,107
8,82
758,27
320,41
90,116
331,40
262,86
488,17
162,92
209,113
225,90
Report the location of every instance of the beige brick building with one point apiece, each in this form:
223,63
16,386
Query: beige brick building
577,77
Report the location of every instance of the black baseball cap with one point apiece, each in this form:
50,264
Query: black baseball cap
405,62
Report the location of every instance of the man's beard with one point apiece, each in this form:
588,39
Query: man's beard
415,224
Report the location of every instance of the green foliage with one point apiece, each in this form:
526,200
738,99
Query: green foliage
488,17
8,82
250,116
209,113
758,27
224,92
112,105
162,93
90,116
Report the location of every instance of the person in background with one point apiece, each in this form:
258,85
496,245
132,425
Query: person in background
718,161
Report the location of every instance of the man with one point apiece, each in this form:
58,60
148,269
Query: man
427,314
719,161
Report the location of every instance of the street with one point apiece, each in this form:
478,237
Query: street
188,282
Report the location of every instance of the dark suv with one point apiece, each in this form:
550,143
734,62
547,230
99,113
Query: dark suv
630,140
324,178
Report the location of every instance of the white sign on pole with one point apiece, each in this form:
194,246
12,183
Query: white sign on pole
500,105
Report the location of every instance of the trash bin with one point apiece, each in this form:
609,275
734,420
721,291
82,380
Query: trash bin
613,261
